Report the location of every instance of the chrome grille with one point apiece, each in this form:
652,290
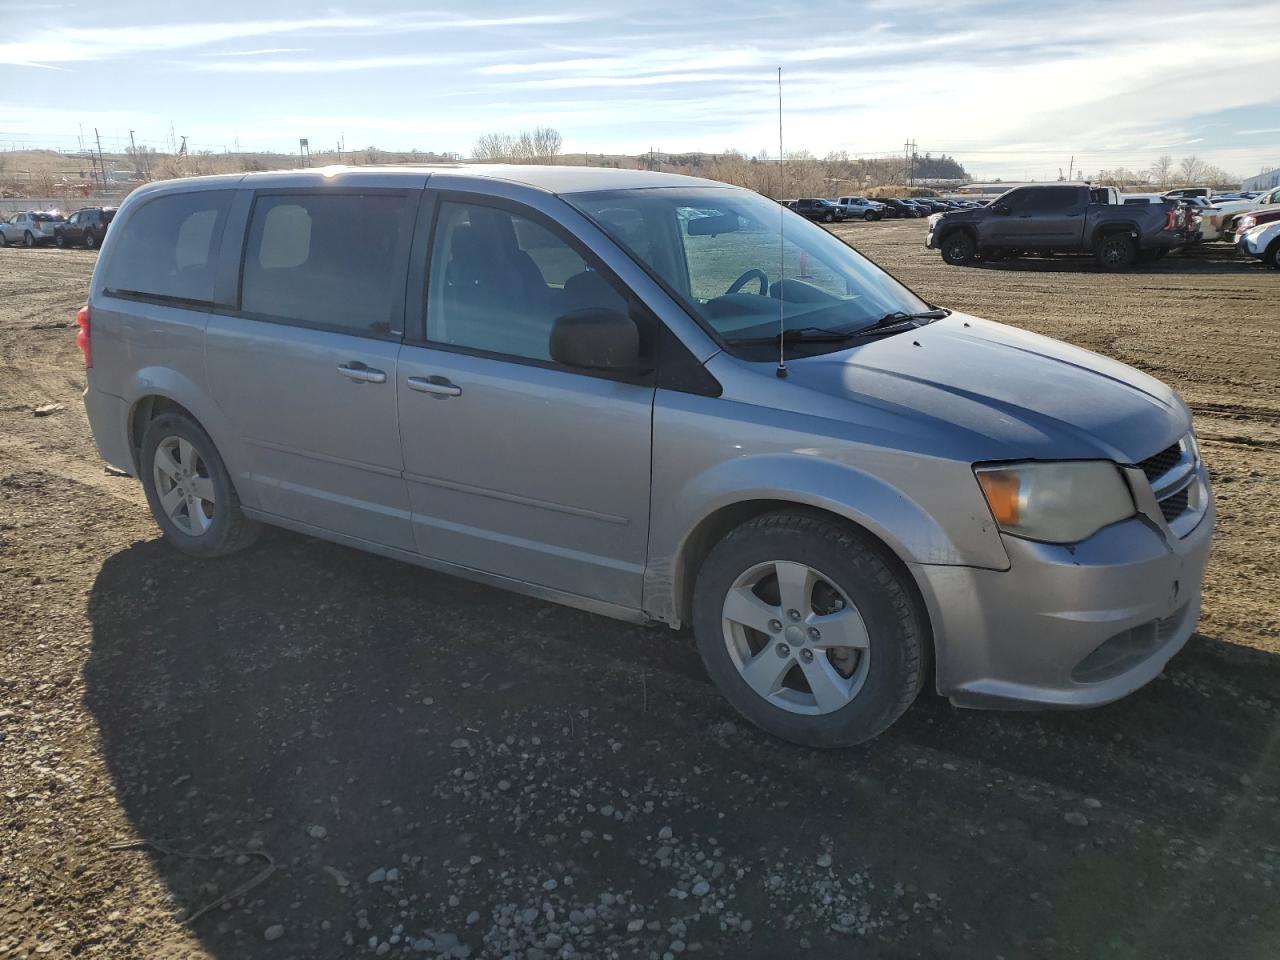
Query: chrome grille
1164,461
1174,505
1177,485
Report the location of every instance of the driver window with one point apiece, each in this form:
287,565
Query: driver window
499,281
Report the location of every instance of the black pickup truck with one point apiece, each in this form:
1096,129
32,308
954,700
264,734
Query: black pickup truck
1060,218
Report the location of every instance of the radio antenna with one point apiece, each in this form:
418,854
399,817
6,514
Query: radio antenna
782,248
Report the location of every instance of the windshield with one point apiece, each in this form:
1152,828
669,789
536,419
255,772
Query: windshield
731,255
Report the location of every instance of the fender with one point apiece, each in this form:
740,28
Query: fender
155,381
900,523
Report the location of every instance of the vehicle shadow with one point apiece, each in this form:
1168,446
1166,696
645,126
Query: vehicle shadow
347,714
1210,259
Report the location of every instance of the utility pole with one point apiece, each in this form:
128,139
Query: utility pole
909,152
138,167
102,164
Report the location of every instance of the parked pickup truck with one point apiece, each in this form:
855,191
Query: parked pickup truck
1060,218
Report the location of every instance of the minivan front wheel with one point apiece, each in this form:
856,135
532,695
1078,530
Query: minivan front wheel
809,630
189,490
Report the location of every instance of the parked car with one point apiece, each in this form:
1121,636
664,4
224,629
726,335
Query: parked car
1235,213
29,229
85,228
1185,192
1255,218
815,208
553,380
911,208
894,208
861,208
931,204
1263,242
1061,218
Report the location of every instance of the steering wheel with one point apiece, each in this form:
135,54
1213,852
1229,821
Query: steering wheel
742,281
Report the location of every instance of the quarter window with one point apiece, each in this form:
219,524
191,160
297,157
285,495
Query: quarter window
169,247
499,281
328,260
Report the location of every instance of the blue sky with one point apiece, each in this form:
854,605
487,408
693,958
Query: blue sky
1012,89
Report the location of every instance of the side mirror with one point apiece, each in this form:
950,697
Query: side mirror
596,338
1001,208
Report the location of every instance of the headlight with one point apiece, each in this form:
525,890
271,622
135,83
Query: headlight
934,218
1248,222
1056,502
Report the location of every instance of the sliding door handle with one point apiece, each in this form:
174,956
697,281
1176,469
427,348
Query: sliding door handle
436,386
360,373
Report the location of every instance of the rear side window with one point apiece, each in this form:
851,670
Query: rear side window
1048,199
169,247
330,260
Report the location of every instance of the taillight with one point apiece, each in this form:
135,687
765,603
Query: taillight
1170,219
82,335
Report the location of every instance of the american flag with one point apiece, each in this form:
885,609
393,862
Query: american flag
182,151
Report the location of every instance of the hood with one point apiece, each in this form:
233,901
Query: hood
997,392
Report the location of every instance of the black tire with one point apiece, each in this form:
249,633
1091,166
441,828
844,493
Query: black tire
958,248
1116,251
230,530
896,626
873,216
4,241
27,239
828,217
1272,257
90,240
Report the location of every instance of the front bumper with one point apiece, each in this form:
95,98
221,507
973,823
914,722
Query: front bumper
1067,626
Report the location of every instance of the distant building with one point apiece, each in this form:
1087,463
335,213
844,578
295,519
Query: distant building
1263,181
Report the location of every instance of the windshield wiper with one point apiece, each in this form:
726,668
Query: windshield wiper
826,335
800,335
898,317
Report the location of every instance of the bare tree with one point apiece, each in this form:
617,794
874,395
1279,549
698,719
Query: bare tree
547,143
1162,170
539,146
1191,170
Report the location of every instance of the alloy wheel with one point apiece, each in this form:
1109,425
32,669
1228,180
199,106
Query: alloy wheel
184,485
796,638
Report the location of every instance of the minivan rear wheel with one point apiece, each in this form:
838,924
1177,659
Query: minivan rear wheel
809,630
189,490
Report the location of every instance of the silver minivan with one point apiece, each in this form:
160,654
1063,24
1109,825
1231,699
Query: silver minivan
661,399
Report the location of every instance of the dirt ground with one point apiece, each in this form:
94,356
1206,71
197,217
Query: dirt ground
346,756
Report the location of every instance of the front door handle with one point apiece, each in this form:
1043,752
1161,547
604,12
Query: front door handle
436,386
359,372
